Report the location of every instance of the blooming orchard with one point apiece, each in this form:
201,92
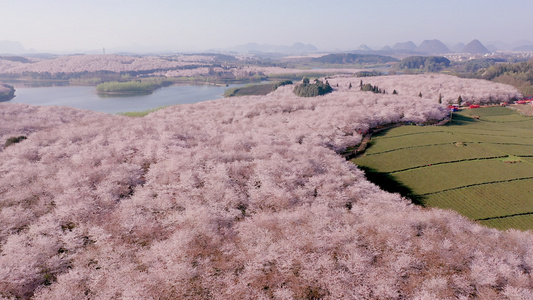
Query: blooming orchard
449,88
242,198
172,66
90,63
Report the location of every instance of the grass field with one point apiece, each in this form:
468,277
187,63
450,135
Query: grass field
480,164
138,114
255,89
250,90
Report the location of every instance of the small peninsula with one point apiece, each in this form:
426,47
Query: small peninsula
7,92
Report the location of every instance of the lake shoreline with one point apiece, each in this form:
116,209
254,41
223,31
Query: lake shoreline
7,92
86,97
125,93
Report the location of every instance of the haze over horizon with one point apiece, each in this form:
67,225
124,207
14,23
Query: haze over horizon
166,25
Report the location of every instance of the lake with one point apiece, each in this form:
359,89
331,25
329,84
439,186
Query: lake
85,97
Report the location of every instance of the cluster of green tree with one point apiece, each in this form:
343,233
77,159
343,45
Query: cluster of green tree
7,92
307,89
281,83
521,70
14,140
351,58
519,75
474,65
367,87
368,73
424,63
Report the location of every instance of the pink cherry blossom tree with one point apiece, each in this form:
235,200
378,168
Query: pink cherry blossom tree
243,198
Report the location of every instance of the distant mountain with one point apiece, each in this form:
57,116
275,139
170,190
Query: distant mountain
21,59
475,47
11,47
458,47
299,47
409,46
296,48
492,48
433,47
509,46
386,48
525,48
364,47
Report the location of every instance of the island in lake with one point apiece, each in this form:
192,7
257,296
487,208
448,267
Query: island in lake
129,88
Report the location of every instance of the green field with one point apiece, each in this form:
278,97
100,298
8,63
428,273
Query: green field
138,114
255,89
480,164
250,90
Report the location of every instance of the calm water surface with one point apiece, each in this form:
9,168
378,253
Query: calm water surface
85,97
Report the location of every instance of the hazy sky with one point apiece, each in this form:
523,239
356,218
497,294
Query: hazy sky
179,25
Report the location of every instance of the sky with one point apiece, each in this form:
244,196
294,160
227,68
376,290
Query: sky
197,25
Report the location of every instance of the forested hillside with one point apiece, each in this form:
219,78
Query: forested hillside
519,75
423,63
238,198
